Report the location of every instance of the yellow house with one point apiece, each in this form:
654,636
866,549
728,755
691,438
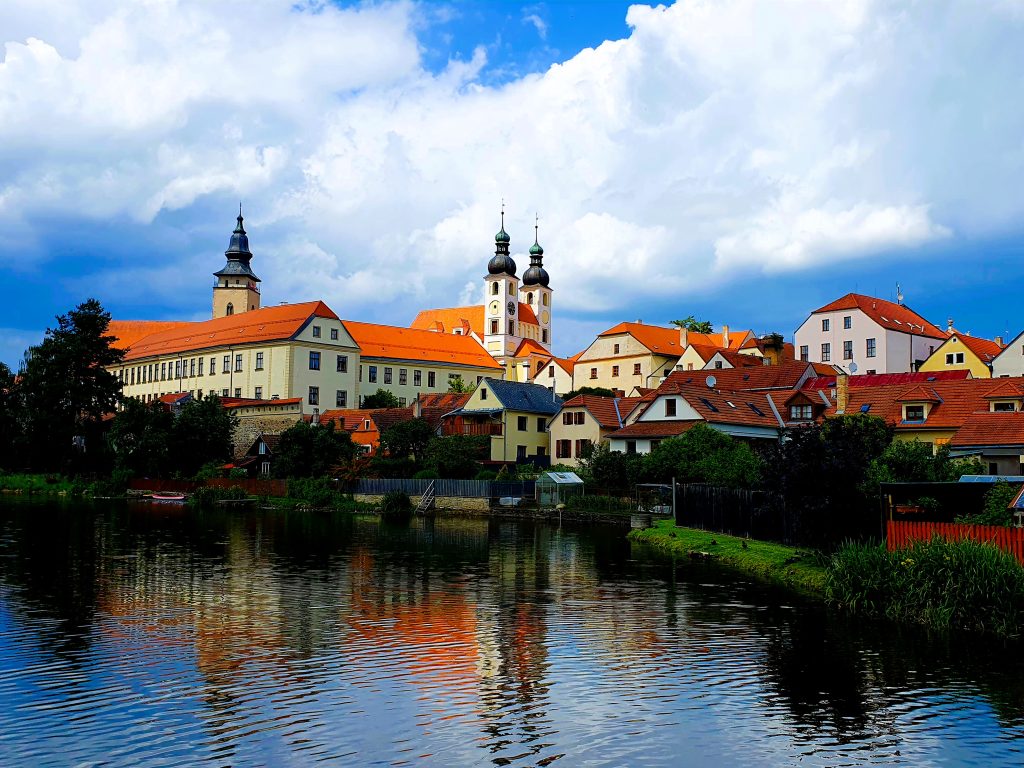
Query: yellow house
586,421
513,414
961,352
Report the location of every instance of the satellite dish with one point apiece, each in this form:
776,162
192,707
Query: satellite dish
711,381
853,367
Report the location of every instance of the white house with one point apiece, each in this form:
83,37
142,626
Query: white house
1010,362
862,334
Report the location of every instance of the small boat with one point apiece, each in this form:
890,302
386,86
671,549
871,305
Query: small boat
167,496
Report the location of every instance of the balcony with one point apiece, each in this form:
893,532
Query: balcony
488,429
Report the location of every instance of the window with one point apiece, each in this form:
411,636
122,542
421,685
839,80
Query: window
238,363
511,328
238,391
417,378
542,424
230,310
544,336
263,448
257,392
847,322
1004,407
579,417
593,373
870,352
959,357
616,349
341,363
314,361
431,379
177,369
913,413
582,447
163,371
341,398
403,376
334,334
227,363
631,446
824,324
670,407
213,365
521,423
529,297
805,353
316,331
615,370
949,358
567,417
132,375
201,361
314,395
563,449
483,394
371,374
520,452
259,361
494,289
636,369
401,402
192,368
551,372
718,363
847,350
494,326
799,412
826,352
387,375
224,392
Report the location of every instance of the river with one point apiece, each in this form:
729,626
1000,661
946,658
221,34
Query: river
149,635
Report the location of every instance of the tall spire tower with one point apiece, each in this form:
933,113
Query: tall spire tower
501,299
237,287
535,285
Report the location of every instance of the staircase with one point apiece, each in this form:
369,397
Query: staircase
426,500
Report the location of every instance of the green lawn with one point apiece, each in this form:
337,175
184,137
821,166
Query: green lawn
790,566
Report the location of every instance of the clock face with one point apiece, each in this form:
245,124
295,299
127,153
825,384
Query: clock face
544,317
495,307
511,307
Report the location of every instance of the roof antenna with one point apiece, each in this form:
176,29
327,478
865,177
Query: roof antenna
899,295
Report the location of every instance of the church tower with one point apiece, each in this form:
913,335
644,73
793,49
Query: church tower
236,289
501,299
538,293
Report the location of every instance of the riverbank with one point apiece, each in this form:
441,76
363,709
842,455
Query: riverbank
790,566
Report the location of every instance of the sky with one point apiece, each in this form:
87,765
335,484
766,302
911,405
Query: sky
738,160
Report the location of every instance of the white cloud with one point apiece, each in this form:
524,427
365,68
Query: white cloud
538,23
719,140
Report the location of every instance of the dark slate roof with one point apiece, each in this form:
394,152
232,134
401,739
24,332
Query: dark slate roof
517,396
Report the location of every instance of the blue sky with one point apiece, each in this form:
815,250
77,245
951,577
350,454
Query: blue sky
743,162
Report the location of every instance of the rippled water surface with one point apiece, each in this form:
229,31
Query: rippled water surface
144,636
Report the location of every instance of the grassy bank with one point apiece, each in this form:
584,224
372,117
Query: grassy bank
790,566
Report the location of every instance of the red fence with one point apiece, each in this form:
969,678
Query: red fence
901,533
252,487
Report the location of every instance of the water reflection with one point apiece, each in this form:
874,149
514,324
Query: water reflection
142,635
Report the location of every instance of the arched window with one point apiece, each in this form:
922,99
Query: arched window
529,298
230,310
494,289
511,327
511,288
544,299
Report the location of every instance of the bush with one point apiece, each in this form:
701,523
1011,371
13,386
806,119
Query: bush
208,495
313,491
210,471
396,504
426,474
599,504
944,585
486,474
115,485
996,509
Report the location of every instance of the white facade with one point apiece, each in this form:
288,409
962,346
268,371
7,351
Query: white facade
852,340
1010,362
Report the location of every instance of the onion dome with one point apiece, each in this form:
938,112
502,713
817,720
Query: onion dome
536,274
501,263
238,253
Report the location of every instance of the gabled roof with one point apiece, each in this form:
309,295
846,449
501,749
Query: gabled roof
759,377
983,349
736,359
531,347
174,397
519,396
919,394
128,332
1008,389
667,341
603,409
893,317
435,405
258,325
990,429
394,343
447,319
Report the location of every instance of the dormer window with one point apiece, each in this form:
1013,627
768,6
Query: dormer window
913,412
800,413
1004,406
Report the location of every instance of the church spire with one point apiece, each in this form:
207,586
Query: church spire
536,274
501,262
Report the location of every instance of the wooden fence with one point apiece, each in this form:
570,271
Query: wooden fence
901,533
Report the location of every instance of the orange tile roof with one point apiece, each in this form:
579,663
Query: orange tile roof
667,341
882,379
1008,388
128,332
257,325
247,402
760,377
654,429
983,349
531,347
447,319
603,409
394,343
982,429
893,317
738,359
737,339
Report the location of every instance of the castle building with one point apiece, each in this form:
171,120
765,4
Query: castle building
236,288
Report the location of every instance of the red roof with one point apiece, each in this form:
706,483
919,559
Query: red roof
247,402
982,429
983,349
893,317
257,325
606,410
128,332
785,376
447,319
392,342
668,341
653,429
882,379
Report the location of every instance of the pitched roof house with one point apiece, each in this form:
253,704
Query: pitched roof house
963,352
587,420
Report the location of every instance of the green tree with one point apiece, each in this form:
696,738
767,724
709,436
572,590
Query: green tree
10,418
704,455
202,433
611,470
380,399
67,388
140,439
407,438
906,461
458,385
306,450
598,391
691,323
456,456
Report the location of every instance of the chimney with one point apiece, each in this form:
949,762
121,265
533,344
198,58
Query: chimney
725,336
842,392
999,341
684,337
949,325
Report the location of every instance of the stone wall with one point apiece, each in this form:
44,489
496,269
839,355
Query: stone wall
441,503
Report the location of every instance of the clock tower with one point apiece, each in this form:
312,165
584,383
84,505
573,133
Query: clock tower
501,299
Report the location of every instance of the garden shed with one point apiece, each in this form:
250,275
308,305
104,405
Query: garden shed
555,488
